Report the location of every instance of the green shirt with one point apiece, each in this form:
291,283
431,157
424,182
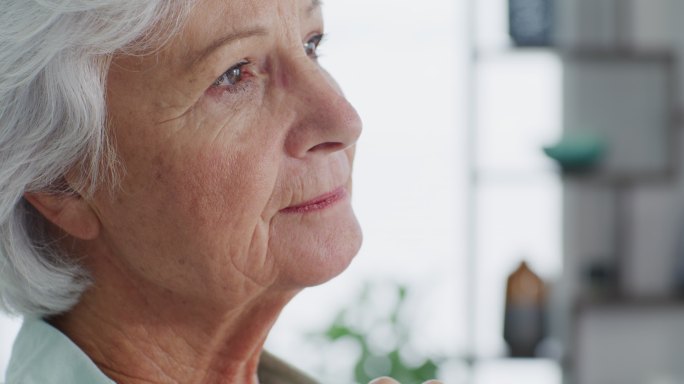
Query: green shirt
43,355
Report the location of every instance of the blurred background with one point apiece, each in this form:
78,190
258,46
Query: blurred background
520,189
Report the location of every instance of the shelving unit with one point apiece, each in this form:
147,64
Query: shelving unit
628,341
621,218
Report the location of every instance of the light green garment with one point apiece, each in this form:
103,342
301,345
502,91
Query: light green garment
43,355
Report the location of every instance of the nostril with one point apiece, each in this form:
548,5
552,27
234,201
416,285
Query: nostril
327,147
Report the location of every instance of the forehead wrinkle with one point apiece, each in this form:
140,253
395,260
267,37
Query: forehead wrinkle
240,33
248,25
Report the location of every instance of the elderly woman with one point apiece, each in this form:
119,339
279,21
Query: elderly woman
172,173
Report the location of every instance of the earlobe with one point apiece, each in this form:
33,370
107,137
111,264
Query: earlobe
69,212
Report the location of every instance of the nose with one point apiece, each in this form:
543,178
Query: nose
326,122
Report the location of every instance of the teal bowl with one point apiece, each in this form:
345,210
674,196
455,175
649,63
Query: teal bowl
578,153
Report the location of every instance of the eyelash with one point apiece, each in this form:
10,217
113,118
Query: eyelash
238,73
314,42
236,76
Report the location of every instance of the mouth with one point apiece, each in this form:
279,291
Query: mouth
319,203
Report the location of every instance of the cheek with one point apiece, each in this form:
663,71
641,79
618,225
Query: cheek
205,184
192,213
217,188
205,171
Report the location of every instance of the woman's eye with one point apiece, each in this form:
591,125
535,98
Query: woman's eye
311,46
232,76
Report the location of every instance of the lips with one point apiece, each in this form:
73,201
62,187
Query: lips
318,203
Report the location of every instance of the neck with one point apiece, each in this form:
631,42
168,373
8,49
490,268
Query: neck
150,338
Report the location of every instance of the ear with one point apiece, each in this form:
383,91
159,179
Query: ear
68,211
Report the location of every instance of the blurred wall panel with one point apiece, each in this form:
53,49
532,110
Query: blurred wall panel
630,345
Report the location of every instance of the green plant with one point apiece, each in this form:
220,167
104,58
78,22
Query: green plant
361,322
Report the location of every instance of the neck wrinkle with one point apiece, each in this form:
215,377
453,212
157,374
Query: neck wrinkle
135,340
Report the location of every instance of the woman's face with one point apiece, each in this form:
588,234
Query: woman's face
237,148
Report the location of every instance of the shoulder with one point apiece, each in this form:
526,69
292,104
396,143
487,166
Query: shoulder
43,355
275,371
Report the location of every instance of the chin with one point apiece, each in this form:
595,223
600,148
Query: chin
321,253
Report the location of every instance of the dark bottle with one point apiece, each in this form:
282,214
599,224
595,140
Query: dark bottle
524,326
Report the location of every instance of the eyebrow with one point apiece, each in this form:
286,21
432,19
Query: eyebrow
239,35
315,4
227,39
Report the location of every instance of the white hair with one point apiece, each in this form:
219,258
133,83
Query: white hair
54,59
